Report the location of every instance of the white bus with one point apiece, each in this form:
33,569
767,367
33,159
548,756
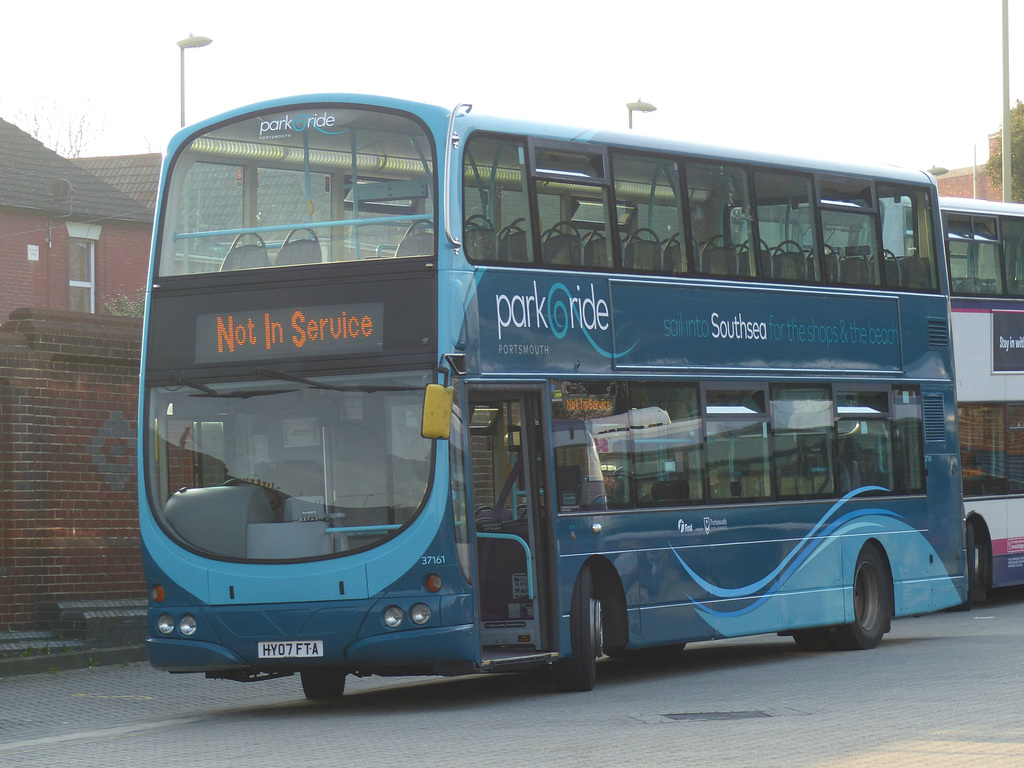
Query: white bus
985,242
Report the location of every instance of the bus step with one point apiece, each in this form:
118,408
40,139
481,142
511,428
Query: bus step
506,659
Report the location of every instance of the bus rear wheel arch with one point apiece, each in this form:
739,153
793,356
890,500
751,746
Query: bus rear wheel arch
872,603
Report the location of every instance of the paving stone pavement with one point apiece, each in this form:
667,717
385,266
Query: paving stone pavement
942,691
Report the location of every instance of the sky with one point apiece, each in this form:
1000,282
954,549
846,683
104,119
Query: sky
912,83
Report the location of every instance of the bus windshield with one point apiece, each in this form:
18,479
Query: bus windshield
308,185
282,467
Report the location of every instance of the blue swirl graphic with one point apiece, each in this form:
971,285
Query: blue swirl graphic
808,547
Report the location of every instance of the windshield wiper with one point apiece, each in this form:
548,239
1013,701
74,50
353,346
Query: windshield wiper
182,381
276,374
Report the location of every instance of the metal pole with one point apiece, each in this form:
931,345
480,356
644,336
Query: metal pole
1007,148
182,87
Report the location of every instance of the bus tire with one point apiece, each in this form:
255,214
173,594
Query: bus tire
979,564
586,633
872,604
323,684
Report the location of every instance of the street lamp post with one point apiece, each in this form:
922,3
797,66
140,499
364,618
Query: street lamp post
638,106
1007,143
192,41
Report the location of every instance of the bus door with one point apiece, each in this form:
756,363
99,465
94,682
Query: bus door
513,531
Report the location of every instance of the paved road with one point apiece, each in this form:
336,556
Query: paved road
941,691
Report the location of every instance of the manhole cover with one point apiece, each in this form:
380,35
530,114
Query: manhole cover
717,715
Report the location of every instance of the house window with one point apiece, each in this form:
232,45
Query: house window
82,276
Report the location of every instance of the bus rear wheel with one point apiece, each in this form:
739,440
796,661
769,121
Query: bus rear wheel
979,563
872,604
323,684
579,671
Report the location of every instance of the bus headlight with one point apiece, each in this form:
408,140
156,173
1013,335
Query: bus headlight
165,624
187,625
393,616
420,613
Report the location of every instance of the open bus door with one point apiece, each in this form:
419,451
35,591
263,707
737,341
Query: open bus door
513,531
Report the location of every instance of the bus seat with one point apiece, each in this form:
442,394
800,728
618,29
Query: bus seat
418,240
673,256
595,250
304,251
480,239
915,272
891,267
717,260
246,256
562,248
513,246
855,270
641,252
671,491
789,266
829,266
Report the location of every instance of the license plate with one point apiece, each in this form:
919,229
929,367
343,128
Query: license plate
291,649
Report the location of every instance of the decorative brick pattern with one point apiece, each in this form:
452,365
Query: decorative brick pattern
68,506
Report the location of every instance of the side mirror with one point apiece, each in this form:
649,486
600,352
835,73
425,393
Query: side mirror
437,412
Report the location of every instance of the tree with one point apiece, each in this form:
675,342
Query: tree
123,305
994,166
66,133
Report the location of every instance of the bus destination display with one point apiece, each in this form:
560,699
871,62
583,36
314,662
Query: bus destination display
290,332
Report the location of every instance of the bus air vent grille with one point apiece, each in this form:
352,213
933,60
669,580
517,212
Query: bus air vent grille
938,332
934,418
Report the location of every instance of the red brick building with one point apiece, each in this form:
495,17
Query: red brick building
68,239
973,181
70,243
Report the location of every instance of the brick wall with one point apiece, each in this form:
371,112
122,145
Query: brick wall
68,505
961,183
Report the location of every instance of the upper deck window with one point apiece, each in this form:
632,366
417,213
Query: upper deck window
849,222
584,206
310,185
650,214
787,245
975,256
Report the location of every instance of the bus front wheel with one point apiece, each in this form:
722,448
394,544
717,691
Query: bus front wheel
872,604
579,671
323,684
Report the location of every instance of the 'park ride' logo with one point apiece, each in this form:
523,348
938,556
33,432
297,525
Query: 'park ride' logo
282,127
559,312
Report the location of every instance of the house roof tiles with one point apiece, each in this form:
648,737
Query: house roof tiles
36,178
136,175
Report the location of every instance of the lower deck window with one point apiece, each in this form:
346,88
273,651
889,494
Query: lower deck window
991,449
676,444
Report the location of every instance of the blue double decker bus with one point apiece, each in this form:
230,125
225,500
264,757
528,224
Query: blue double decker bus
425,392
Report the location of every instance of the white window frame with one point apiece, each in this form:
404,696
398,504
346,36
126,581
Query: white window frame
90,284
